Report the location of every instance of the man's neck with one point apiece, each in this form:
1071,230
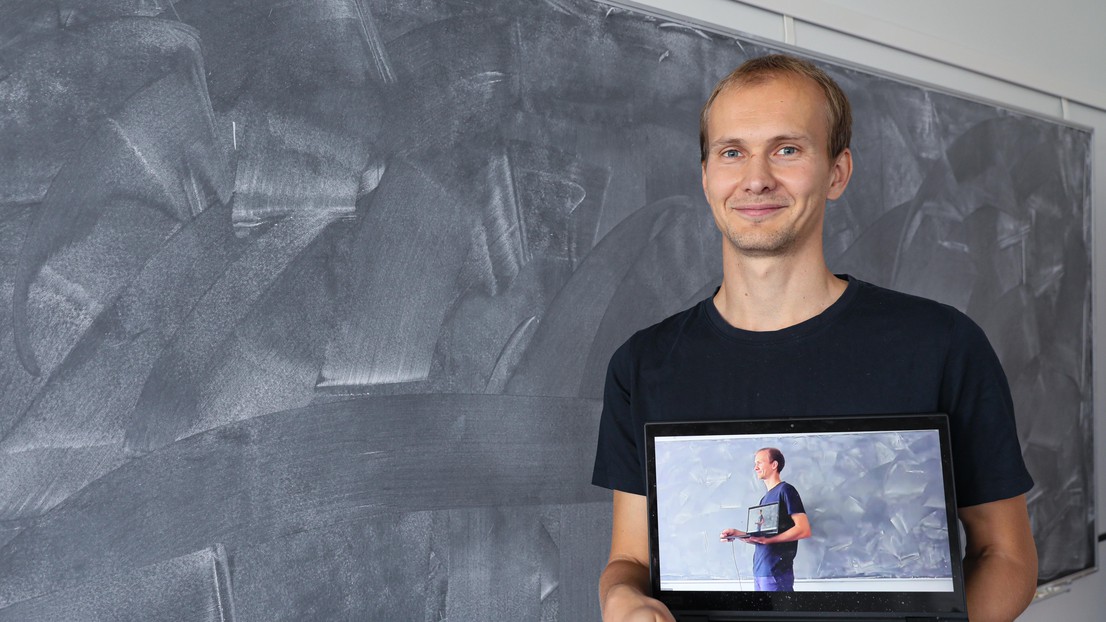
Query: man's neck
769,293
772,482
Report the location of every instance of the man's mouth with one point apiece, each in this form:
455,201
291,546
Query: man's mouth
758,210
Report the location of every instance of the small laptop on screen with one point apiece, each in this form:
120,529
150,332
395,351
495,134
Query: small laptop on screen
763,521
876,492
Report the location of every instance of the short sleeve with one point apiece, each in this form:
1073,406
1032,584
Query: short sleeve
792,502
617,456
987,458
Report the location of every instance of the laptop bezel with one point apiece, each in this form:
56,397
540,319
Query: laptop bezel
771,605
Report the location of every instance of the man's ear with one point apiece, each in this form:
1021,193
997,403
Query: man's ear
840,174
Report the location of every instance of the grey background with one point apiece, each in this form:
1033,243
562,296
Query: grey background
874,501
321,293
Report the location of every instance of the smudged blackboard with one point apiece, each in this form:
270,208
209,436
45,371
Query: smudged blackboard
307,304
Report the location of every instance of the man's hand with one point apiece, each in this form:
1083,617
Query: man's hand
729,535
1000,566
625,604
624,584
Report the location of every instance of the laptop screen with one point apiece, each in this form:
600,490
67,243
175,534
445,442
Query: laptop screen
763,519
875,495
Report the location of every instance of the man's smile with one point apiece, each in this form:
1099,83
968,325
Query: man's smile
758,210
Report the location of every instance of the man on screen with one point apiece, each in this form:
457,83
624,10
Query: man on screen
785,336
773,561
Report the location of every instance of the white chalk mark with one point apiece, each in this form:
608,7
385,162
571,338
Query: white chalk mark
490,77
1025,264
666,54
685,27
218,592
234,134
376,46
510,355
132,146
194,194
556,6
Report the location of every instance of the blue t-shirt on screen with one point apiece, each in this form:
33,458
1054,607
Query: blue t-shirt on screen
774,560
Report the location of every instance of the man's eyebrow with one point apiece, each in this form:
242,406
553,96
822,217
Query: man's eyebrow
791,138
726,140
780,138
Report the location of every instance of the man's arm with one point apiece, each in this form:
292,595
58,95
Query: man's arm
798,532
624,584
1000,566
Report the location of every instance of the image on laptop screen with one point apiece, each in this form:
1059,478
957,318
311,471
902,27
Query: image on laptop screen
764,520
877,502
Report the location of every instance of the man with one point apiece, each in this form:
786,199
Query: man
783,336
773,561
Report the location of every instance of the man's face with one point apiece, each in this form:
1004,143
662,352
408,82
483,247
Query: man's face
768,172
763,465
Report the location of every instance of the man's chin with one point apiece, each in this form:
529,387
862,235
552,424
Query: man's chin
761,245
762,250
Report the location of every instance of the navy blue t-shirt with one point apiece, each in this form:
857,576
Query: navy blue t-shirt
873,351
774,560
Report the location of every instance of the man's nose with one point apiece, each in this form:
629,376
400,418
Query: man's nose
758,175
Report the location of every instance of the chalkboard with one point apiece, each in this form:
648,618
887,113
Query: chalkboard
307,303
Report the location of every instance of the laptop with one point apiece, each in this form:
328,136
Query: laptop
763,521
877,493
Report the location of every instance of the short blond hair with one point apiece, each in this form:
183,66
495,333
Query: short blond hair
764,68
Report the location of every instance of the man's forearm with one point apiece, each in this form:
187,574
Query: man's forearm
624,585
1000,567
999,587
800,530
624,593
623,573
791,535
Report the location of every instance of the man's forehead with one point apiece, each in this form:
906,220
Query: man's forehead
788,81
732,106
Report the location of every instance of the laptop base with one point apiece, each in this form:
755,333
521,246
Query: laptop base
725,616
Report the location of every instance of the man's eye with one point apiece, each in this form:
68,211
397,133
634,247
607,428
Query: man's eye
788,151
731,153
